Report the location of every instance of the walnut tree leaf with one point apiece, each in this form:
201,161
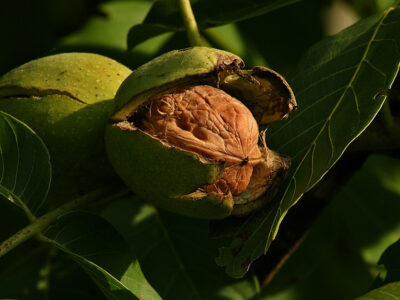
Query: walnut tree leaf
101,251
390,291
336,86
25,170
165,16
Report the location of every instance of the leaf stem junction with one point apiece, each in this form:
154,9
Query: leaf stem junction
41,223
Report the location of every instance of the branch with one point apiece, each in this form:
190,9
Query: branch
190,23
41,223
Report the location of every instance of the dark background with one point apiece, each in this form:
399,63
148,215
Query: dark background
32,29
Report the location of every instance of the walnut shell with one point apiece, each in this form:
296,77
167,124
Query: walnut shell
67,99
185,133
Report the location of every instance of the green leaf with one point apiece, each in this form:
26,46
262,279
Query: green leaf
229,38
391,263
390,291
142,32
165,16
100,250
340,257
298,25
69,281
176,253
340,87
25,170
106,34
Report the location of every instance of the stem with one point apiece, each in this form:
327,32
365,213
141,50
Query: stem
44,221
190,23
387,117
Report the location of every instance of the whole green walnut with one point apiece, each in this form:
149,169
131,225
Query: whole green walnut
185,133
67,99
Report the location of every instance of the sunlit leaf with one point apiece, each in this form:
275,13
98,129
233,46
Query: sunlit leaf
165,16
340,86
25,170
390,291
100,250
106,33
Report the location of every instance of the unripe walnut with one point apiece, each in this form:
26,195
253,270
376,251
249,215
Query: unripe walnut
185,133
66,99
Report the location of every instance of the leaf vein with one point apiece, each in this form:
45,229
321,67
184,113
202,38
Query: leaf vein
300,135
315,83
18,154
387,293
306,109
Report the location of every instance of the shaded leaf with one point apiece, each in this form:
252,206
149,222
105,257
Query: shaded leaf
336,87
25,170
339,259
23,272
165,16
390,291
69,281
99,249
299,29
390,261
20,268
176,253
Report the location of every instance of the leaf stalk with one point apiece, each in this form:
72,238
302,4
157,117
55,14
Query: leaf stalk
190,23
41,223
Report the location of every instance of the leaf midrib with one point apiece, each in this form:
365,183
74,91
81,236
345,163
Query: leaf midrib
20,202
11,192
90,263
348,87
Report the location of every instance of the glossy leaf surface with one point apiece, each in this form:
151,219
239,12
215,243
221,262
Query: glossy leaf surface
340,86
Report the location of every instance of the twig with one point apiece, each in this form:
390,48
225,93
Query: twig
190,23
44,221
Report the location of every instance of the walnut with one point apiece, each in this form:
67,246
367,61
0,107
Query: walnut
185,134
211,123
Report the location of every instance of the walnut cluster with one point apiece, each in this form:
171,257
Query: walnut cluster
209,122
